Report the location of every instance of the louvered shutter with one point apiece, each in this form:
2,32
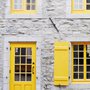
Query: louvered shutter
78,4
61,63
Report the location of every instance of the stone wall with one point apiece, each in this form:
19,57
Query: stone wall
56,9
45,29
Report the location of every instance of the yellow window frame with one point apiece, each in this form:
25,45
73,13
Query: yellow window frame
84,80
84,11
23,11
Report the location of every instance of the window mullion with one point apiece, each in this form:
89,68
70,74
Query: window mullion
84,62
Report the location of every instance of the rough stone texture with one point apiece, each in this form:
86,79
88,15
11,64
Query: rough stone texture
67,28
50,8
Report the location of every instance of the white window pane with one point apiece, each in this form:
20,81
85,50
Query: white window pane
17,6
18,1
78,4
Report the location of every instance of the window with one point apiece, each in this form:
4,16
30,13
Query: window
88,5
78,8
23,6
81,62
80,67
23,9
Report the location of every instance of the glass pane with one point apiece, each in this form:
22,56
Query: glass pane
88,54
75,54
75,61
17,4
81,47
80,54
17,51
33,7
88,68
22,68
16,77
33,1
28,7
81,61
17,60
29,60
88,7
18,1
88,75
23,59
29,77
28,1
22,77
75,47
88,47
15,1
28,68
29,51
23,51
88,1
78,4
17,68
88,61
81,68
75,75
18,7
75,68
80,75
88,51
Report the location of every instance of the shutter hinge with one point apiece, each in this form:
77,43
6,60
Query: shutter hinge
69,48
9,71
10,48
69,77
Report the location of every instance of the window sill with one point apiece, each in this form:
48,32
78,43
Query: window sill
81,82
77,15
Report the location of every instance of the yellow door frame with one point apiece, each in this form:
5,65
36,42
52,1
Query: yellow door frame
12,68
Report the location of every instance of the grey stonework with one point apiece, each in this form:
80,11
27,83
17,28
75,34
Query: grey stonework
50,8
42,27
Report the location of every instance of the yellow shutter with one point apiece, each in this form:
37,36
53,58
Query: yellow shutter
61,63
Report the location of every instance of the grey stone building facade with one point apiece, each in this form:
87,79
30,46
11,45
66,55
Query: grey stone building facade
40,29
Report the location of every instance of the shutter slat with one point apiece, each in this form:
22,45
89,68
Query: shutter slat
78,4
61,56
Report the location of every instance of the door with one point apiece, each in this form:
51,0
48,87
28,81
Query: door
23,66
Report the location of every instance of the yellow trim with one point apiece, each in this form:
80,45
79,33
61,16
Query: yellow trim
84,62
84,80
22,85
23,11
80,82
84,11
72,64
